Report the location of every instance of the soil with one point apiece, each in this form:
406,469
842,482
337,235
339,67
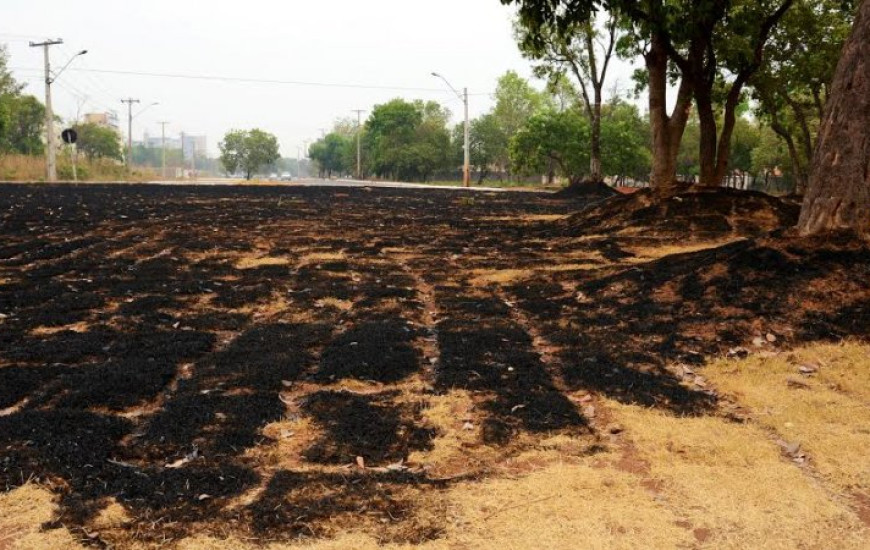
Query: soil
693,215
150,336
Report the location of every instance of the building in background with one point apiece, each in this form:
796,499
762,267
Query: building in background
105,120
194,146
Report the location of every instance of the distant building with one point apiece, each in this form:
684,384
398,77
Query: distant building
194,145
105,120
152,142
191,145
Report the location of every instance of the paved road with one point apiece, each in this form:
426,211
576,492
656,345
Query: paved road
313,182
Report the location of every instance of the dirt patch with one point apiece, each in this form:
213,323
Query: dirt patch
697,215
587,191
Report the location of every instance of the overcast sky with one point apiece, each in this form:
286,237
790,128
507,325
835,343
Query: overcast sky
393,44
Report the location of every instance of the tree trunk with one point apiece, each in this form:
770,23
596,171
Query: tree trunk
839,192
667,130
709,136
595,157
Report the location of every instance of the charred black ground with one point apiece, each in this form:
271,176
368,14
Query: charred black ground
149,334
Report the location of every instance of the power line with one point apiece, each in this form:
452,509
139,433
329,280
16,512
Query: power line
216,78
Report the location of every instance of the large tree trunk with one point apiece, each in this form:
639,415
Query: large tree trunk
667,130
839,193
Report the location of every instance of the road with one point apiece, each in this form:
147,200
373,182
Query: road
315,182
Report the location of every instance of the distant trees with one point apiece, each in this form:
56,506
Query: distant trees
551,138
332,154
248,151
97,142
575,52
407,140
22,117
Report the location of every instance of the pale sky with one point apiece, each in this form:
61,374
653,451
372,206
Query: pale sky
394,44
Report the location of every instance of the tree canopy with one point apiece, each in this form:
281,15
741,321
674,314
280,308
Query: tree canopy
248,151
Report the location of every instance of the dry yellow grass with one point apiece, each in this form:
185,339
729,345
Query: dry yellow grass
249,262
732,484
483,277
32,169
829,418
320,257
644,253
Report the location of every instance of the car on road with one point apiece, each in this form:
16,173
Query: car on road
286,176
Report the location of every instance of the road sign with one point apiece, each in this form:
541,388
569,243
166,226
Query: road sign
69,136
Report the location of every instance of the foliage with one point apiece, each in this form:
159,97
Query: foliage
575,52
97,142
624,141
716,47
248,151
333,154
22,117
22,129
792,85
407,140
553,141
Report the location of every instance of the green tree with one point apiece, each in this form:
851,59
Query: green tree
575,52
22,117
793,84
332,154
97,142
624,142
407,140
24,121
487,143
248,151
715,47
553,140
515,103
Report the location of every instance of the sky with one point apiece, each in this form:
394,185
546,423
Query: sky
358,54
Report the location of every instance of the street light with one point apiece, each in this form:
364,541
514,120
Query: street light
51,154
71,59
466,170
130,117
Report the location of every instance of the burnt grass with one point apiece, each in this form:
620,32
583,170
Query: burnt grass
149,334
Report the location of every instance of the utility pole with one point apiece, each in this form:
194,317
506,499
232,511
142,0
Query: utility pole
466,169
130,103
50,158
359,113
163,145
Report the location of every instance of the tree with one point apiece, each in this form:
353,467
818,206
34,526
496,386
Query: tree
792,85
248,151
97,142
839,192
22,117
407,140
331,153
574,51
624,141
714,47
515,102
562,138
24,121
487,143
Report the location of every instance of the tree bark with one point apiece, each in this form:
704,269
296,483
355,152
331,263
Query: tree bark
667,129
839,193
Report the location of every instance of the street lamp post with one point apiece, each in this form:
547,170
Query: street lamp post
51,154
466,169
